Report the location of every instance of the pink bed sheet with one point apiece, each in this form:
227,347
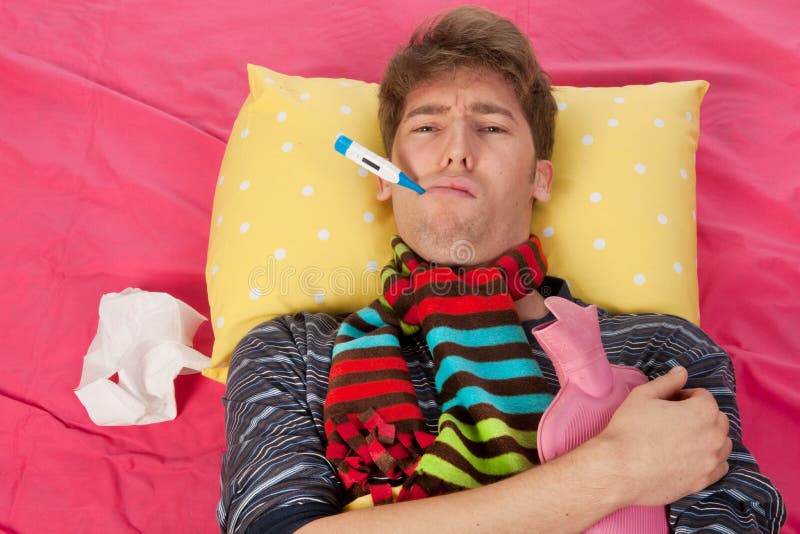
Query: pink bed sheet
113,121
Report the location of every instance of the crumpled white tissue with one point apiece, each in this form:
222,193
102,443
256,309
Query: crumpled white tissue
146,339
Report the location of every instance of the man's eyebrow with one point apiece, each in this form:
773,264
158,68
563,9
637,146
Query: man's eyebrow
428,109
487,108
481,108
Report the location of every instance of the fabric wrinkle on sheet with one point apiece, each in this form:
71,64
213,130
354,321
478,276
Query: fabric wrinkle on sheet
145,338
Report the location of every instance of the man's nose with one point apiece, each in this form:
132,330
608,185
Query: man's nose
458,148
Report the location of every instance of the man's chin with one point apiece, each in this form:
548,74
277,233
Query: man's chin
445,248
446,237
465,245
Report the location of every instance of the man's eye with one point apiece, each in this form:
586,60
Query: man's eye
424,129
493,129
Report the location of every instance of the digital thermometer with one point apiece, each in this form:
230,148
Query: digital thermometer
381,167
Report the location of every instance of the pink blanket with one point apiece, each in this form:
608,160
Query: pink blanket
113,121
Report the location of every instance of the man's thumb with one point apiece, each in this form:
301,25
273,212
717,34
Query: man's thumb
665,386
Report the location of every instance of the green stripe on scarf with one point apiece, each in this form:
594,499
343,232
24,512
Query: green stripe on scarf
490,429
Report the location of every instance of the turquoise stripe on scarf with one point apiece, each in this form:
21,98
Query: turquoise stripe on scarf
369,315
517,368
367,342
350,331
480,337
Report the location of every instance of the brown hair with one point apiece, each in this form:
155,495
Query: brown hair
469,37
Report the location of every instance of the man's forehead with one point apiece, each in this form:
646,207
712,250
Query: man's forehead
477,107
480,91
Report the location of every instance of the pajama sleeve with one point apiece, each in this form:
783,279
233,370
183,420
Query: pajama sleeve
275,476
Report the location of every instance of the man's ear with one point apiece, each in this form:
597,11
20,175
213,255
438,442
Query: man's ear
542,180
384,190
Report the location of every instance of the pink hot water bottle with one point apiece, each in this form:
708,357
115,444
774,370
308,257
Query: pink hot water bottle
591,391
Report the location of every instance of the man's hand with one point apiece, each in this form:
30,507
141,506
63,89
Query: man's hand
670,442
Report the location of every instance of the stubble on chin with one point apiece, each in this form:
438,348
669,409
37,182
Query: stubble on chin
445,239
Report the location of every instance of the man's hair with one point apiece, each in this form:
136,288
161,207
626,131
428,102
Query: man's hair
474,38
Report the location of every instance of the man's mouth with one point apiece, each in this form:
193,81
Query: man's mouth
453,186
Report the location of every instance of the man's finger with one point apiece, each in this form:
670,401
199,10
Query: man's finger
666,386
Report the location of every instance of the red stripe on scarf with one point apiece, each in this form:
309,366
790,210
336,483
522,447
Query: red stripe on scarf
399,287
480,277
369,389
511,268
533,273
367,365
336,450
400,412
410,261
411,316
462,305
530,257
437,274
467,279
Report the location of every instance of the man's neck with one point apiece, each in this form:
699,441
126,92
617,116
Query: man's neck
531,307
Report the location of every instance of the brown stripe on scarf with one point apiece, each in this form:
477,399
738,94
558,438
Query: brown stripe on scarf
468,321
344,380
483,354
503,444
487,411
511,386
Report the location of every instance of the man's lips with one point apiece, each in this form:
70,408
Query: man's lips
456,186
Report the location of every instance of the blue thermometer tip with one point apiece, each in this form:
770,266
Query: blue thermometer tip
342,144
405,181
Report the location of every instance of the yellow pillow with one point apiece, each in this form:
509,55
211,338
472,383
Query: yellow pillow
296,226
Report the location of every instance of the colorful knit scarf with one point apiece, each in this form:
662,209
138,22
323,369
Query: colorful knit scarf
490,388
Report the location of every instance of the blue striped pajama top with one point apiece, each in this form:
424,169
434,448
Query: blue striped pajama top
275,476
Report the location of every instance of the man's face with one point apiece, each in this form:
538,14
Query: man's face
464,138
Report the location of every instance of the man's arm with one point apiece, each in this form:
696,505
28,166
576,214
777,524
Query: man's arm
617,468
743,500
274,470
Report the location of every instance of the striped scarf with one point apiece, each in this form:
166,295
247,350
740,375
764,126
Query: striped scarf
490,388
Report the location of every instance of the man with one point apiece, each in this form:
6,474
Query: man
467,111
